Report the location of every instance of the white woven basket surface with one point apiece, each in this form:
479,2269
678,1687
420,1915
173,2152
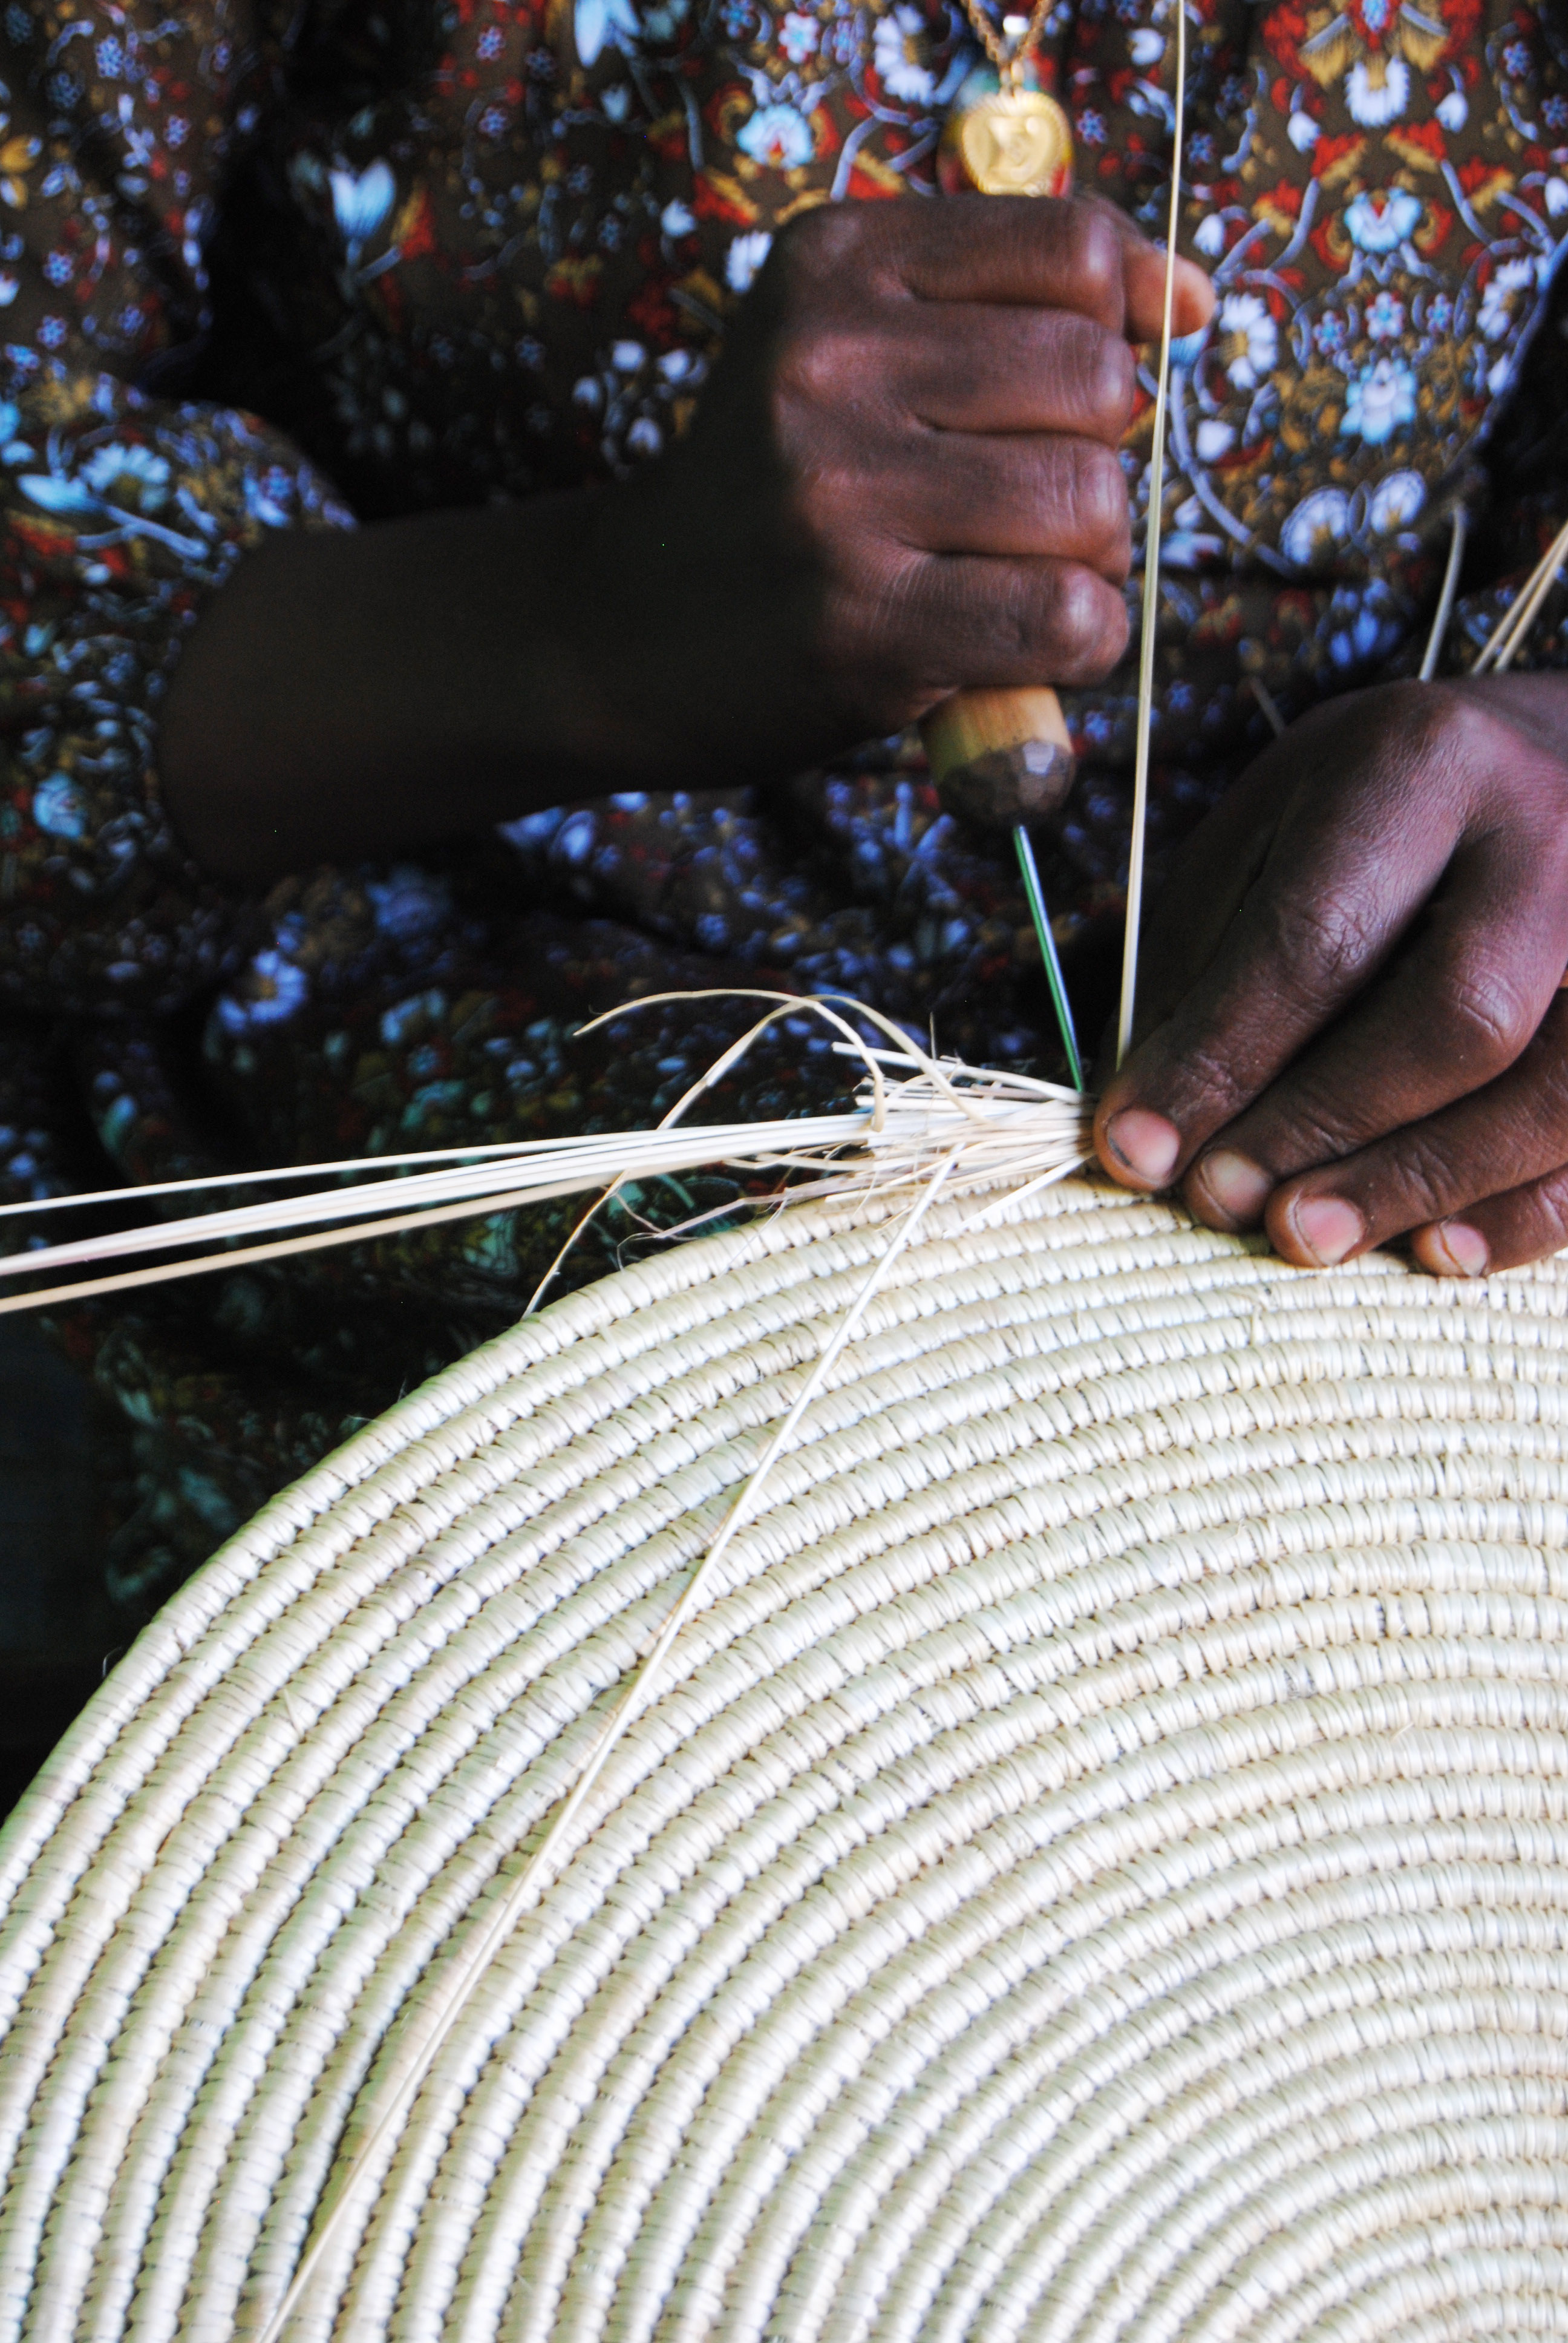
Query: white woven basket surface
1097,1867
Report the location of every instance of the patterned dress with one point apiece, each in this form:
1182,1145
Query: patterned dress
273,266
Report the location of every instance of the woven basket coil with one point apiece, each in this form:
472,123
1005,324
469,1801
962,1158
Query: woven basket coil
1097,1866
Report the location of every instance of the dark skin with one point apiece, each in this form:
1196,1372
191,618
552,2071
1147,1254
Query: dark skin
1354,1030
902,479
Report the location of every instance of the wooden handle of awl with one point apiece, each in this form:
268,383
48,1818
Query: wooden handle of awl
999,757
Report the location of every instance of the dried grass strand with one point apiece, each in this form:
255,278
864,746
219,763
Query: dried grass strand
1269,705
935,1080
1444,611
1506,639
457,1984
1002,1125
1137,846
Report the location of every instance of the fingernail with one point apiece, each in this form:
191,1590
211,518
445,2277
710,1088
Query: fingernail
1146,1143
1236,1185
1327,1228
1464,1247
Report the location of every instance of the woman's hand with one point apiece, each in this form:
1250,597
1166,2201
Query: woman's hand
917,420
1351,994
902,479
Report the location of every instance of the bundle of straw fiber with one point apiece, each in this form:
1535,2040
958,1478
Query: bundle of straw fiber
1093,1863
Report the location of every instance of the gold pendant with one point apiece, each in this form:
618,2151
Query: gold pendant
1014,142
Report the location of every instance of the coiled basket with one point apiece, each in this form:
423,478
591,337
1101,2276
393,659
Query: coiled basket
1097,1866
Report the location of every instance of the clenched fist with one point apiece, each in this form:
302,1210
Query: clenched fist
917,422
902,479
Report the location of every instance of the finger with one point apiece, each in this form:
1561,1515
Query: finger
969,368
970,623
1031,495
1504,1233
1454,1012
1324,915
1505,1136
1008,249
1079,253
1143,282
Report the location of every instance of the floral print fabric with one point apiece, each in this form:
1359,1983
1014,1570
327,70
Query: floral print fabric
269,268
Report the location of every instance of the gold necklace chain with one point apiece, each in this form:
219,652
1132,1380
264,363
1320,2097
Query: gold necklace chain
1012,140
1007,58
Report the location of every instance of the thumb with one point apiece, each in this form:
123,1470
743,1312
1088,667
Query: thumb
1143,282
1191,296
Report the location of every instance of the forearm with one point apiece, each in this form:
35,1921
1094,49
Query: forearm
832,547
350,693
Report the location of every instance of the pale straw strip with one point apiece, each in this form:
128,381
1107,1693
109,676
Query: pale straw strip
1013,1080
129,1280
1530,603
716,1072
895,1134
1269,705
1435,635
944,1074
357,1166
460,1982
697,1149
998,1134
650,1153
1444,611
1151,530
1507,637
